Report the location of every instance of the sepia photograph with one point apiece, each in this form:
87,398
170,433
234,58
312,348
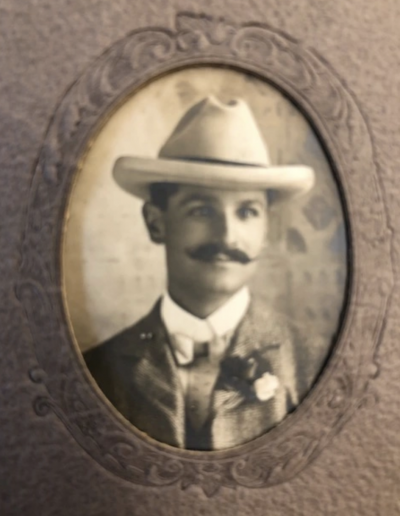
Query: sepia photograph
205,258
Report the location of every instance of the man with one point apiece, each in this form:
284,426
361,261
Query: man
207,368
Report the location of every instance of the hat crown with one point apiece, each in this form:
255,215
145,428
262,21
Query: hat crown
217,145
218,132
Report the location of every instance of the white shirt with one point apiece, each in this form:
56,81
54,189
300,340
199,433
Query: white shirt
185,328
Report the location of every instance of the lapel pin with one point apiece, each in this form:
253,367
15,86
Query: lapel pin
146,336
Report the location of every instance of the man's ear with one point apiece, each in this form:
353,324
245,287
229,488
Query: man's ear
155,223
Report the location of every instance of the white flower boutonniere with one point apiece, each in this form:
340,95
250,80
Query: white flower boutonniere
249,376
266,386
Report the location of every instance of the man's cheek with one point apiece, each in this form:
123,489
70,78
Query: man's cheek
180,241
193,235
255,239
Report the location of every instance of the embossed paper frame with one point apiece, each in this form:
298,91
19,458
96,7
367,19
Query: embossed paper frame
62,387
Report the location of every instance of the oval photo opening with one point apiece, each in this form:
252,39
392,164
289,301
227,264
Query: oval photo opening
205,258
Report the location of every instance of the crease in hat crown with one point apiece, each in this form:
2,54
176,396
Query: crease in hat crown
216,131
214,144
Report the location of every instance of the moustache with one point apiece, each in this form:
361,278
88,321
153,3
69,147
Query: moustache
209,252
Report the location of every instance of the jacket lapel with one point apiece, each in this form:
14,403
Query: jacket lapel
237,414
155,403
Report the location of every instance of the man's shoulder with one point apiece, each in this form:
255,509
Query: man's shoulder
265,323
263,319
130,340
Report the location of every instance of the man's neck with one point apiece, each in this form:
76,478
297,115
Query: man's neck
179,321
201,307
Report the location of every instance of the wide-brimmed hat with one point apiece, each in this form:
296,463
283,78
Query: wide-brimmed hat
217,145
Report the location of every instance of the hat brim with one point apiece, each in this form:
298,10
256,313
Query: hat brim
135,174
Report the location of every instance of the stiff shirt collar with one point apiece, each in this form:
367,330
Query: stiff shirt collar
181,323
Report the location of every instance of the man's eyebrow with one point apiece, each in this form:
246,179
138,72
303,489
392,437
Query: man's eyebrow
196,197
252,202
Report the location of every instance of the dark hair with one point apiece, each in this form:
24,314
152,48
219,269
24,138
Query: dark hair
161,192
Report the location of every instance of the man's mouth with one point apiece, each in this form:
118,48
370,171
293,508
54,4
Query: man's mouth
221,258
212,253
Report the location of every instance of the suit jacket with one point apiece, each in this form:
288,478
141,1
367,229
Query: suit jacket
137,371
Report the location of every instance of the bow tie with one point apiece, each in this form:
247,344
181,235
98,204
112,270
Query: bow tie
186,350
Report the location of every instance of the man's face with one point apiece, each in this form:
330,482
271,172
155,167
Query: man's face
213,237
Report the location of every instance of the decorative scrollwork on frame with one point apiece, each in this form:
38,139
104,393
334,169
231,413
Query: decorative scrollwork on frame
60,377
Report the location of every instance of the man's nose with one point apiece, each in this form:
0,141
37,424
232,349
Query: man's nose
226,229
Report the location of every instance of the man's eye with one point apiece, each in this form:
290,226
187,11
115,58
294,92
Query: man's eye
247,213
201,211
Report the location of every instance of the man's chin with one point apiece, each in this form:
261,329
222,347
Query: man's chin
216,285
